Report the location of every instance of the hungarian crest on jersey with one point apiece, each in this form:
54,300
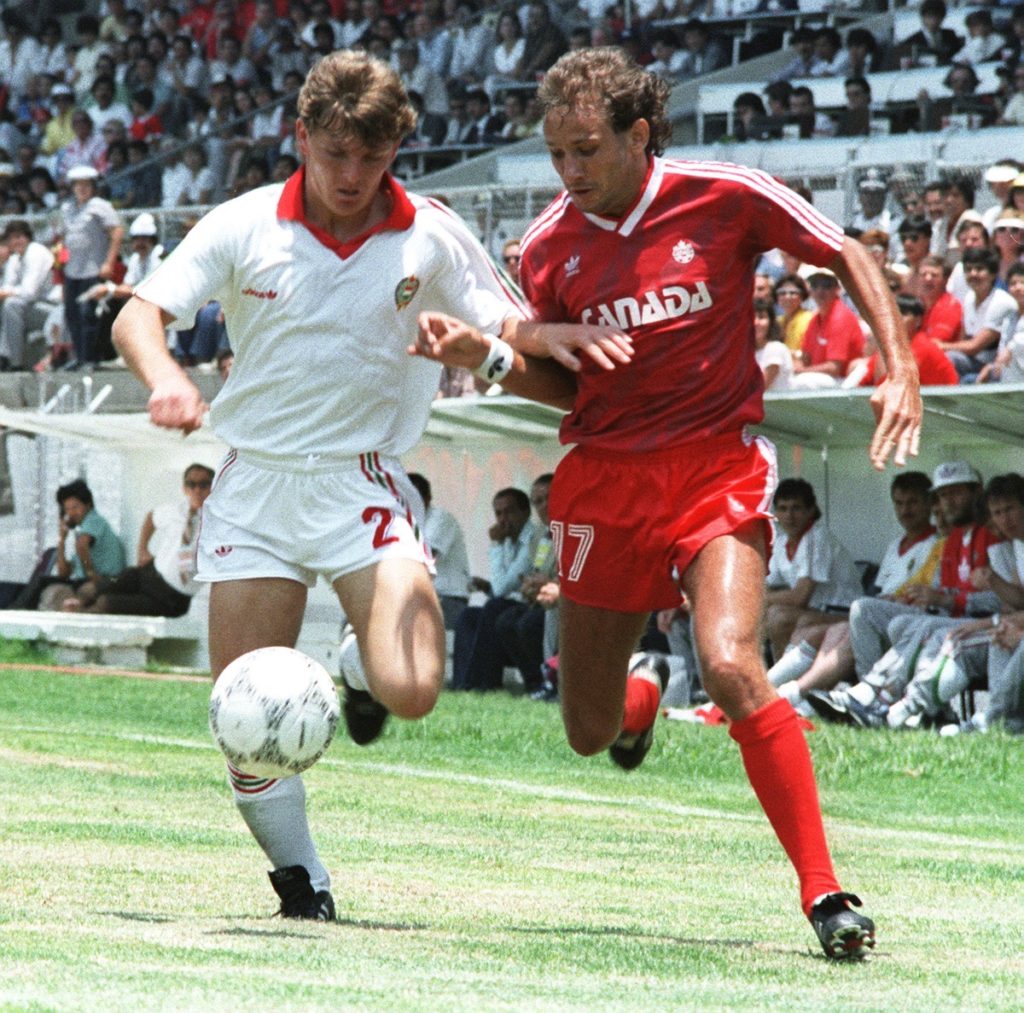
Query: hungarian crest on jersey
405,290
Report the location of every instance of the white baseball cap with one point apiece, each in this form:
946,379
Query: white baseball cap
954,473
144,225
82,172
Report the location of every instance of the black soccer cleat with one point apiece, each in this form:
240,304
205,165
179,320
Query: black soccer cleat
628,751
364,717
298,898
843,933
830,705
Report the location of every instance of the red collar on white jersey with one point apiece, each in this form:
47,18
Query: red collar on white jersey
625,225
292,207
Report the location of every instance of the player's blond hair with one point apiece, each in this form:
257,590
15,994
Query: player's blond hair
354,95
607,78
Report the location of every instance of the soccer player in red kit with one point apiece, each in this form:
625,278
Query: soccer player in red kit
652,262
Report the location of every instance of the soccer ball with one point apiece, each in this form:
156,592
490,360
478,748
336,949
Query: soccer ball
273,712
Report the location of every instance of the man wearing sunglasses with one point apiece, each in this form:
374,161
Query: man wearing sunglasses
161,583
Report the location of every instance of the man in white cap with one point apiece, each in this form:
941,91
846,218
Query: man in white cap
999,178
92,234
833,338
28,280
886,635
873,214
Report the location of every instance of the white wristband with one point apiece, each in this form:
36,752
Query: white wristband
498,363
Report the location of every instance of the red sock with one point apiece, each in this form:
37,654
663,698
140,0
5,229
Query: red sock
642,700
778,765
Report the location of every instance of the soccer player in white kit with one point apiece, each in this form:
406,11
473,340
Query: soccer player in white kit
665,492
320,280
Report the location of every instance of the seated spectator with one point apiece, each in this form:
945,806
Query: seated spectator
943,312
804,63
750,119
872,193
774,358
701,53
970,235
983,41
833,338
477,660
473,123
999,178
792,293
932,45
471,43
915,234
430,127
958,193
443,535
162,581
104,106
668,56
421,77
819,656
145,125
933,366
961,106
833,60
809,572
985,312
861,53
544,42
188,182
1007,240
87,547
506,54
433,40
143,176
20,55
804,114
26,293
231,63
1008,365
855,119
85,149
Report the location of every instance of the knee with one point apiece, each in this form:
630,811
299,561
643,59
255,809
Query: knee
588,735
414,701
777,617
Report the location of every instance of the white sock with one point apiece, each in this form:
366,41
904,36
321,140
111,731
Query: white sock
349,662
795,661
276,816
791,691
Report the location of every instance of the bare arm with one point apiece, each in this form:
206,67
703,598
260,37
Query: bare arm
799,594
897,400
116,234
979,340
451,342
605,345
175,401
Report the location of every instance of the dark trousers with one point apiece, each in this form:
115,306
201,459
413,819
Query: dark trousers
478,657
521,635
141,591
80,318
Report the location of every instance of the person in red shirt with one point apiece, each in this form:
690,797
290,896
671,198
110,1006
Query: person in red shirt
933,365
665,492
833,338
943,313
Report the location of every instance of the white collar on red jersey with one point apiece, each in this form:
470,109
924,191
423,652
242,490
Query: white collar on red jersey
291,207
625,226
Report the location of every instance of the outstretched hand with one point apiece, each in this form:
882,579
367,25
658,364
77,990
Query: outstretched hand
607,346
897,408
450,341
177,404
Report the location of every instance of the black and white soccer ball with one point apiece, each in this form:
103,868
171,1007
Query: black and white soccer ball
273,712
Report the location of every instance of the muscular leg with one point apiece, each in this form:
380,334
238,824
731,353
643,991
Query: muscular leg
245,615
725,585
595,645
397,620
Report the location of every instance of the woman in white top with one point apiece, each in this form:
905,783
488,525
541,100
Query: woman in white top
774,358
507,53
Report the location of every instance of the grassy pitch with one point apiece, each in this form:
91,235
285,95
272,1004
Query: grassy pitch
479,864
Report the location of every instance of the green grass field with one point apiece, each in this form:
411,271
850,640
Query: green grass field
479,864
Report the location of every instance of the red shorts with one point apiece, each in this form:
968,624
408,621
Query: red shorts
627,526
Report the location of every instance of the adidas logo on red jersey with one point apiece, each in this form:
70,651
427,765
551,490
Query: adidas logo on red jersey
672,301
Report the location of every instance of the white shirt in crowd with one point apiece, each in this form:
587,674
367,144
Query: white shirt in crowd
897,567
775,353
173,545
821,557
991,314
30,275
442,533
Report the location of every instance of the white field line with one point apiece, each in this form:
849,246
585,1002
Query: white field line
554,793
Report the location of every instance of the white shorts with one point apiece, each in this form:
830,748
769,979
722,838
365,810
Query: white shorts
301,518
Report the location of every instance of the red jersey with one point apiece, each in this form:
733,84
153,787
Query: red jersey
933,365
836,337
965,550
945,320
676,272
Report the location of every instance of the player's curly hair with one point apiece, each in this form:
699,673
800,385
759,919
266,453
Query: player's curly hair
608,77
352,94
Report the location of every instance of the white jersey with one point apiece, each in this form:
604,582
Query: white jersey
173,545
442,533
896,567
821,557
320,328
1007,560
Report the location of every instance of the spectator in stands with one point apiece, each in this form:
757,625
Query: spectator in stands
145,125
53,56
44,190
471,44
146,77
161,583
513,539
957,201
419,76
517,127
862,53
833,338
701,53
876,242
87,546
510,259
187,72
792,293
1008,240
143,176
832,59
932,45
24,297
915,234
1008,365
92,237
872,192
434,42
804,63
443,535
86,148
261,34
87,49
231,63
986,310
855,119
477,124
750,119
771,353
669,58
962,106
944,313
430,127
20,55
970,235
999,177
507,54
983,41
933,366
1014,37
820,656
103,107
810,121
544,42
809,571
59,132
